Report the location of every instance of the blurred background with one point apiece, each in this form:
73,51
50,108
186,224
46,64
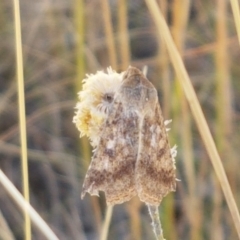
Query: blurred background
64,40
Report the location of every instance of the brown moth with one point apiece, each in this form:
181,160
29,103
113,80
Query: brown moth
133,156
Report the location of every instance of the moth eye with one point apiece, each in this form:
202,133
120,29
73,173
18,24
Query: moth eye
108,97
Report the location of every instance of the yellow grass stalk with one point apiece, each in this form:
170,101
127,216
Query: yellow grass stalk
236,14
223,108
26,207
223,93
106,223
163,63
106,13
123,36
180,20
217,214
79,17
97,214
167,217
202,125
5,232
133,208
22,114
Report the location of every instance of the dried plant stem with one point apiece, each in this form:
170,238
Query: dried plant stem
26,207
123,38
217,234
79,18
196,109
164,70
5,232
133,208
180,21
106,223
80,66
156,223
223,108
168,217
109,33
223,83
97,214
236,14
22,114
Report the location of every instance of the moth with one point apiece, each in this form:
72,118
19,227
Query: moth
133,155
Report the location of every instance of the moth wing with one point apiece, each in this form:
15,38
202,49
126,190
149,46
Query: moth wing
155,169
113,163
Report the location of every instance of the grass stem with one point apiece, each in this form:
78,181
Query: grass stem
109,33
236,15
106,223
22,114
26,207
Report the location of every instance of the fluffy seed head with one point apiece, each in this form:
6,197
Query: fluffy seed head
95,100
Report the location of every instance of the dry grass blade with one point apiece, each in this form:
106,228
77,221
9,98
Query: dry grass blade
109,33
5,232
181,16
123,40
25,206
106,223
163,30
79,16
22,116
236,14
223,107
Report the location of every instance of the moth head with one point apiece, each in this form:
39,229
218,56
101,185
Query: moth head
108,97
133,78
106,102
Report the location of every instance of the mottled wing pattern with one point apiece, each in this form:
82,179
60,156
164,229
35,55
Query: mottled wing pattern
133,155
113,163
155,169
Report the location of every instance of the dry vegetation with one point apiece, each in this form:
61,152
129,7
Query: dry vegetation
64,40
